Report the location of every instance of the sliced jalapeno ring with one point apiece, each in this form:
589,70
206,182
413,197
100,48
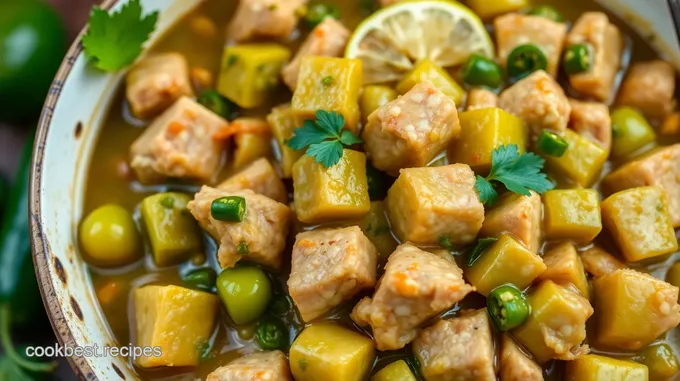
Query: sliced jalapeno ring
524,60
552,143
507,307
578,59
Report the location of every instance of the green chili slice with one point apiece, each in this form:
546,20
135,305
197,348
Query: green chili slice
229,208
578,59
201,279
218,104
524,60
481,71
552,143
507,307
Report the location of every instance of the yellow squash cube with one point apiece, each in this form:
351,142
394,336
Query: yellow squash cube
557,323
336,193
328,352
583,161
282,122
633,309
564,266
483,130
487,9
572,214
250,72
377,229
600,368
331,84
506,261
426,70
640,223
396,371
178,320
375,96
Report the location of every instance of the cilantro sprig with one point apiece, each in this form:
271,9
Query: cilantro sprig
113,41
476,252
519,173
324,138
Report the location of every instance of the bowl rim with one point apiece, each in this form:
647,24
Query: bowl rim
55,311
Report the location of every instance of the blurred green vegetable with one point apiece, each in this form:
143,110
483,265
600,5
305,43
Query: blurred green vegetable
271,334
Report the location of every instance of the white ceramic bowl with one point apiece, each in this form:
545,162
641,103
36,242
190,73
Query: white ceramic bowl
73,114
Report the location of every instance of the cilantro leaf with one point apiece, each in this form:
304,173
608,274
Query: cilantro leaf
115,40
479,249
307,135
486,191
348,138
327,153
332,122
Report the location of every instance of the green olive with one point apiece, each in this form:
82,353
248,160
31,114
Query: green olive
630,131
245,292
109,237
660,360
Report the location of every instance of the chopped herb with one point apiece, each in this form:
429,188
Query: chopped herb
231,60
327,81
113,41
302,364
168,202
323,138
518,172
479,249
445,242
242,248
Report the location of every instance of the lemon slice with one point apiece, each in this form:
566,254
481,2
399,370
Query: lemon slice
391,40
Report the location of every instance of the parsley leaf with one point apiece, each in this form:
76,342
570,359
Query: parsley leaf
445,242
520,173
324,138
115,40
479,249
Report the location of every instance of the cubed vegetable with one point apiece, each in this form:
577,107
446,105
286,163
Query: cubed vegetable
396,371
630,132
377,229
557,324
572,214
583,161
601,368
481,131
660,361
426,70
506,261
250,147
640,223
178,320
487,9
375,96
633,309
173,233
250,72
564,267
331,84
282,122
329,352
339,192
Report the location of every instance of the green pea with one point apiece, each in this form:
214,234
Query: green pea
507,307
245,292
481,71
271,334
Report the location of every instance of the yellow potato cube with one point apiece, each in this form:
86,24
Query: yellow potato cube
328,352
426,70
376,227
557,323
178,320
640,223
282,122
572,214
564,266
583,161
325,194
487,9
250,72
600,368
483,130
506,261
331,84
396,371
633,309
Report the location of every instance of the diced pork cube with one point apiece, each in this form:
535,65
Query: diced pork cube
328,39
592,121
521,216
458,349
660,168
330,266
649,87
411,130
179,143
481,98
156,82
515,365
427,204
260,177
416,286
258,366
598,262
264,18
262,232
594,29
539,101
514,29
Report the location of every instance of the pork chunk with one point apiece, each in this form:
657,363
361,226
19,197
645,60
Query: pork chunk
258,366
328,39
458,349
592,121
411,130
263,230
515,365
329,267
660,168
598,262
514,29
539,101
481,98
264,18
521,216
416,286
156,82
426,204
649,87
260,177
179,144
594,29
